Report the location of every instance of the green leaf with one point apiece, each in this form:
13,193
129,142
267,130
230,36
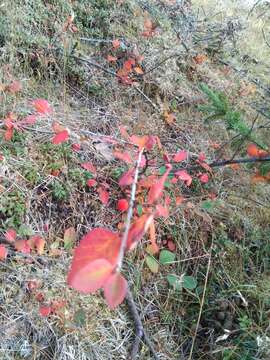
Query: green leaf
140,210
162,170
80,318
152,263
189,282
175,281
207,205
166,257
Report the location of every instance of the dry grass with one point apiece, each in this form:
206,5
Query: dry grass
94,101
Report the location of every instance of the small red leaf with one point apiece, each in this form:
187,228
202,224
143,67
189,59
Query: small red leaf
115,290
128,64
204,178
91,277
76,147
22,246
91,182
8,134
156,189
38,243
180,156
89,167
42,106
60,137
10,235
124,156
127,178
184,176
3,252
116,44
122,205
162,211
45,311
138,229
103,195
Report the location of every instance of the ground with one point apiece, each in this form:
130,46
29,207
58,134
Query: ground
220,229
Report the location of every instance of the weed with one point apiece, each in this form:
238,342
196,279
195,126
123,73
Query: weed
12,209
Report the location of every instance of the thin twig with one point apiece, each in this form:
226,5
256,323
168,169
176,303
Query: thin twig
140,332
201,305
129,215
146,97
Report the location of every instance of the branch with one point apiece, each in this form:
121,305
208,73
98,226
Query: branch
129,215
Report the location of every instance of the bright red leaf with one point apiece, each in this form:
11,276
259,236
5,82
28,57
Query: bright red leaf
124,156
91,182
60,137
180,156
10,235
138,229
42,106
127,178
128,64
3,252
76,147
22,246
115,290
156,189
91,277
89,167
45,311
162,211
204,178
184,176
103,195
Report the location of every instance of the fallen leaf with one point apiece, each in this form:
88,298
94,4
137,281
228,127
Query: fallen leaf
60,137
3,252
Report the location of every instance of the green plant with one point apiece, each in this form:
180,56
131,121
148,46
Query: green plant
59,190
12,209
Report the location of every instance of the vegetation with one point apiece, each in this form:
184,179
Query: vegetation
133,161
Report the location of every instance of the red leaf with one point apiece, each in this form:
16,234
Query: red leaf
8,134
3,252
156,189
127,178
14,87
10,235
180,156
128,64
60,137
184,176
89,167
103,195
162,211
124,133
138,70
99,243
38,243
22,246
115,290
42,106
124,156
116,44
45,311
76,147
122,205
152,234
204,178
29,120
111,58
91,182
202,157
57,128
91,277
141,141
138,229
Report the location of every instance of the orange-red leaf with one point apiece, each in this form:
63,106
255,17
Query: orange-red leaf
153,238
138,229
115,290
124,156
60,137
99,243
128,64
45,311
127,178
116,44
91,277
138,70
38,243
22,246
10,235
184,176
204,178
111,58
42,106
91,182
89,167
3,252
180,156
252,150
156,189
103,195
162,211
8,134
